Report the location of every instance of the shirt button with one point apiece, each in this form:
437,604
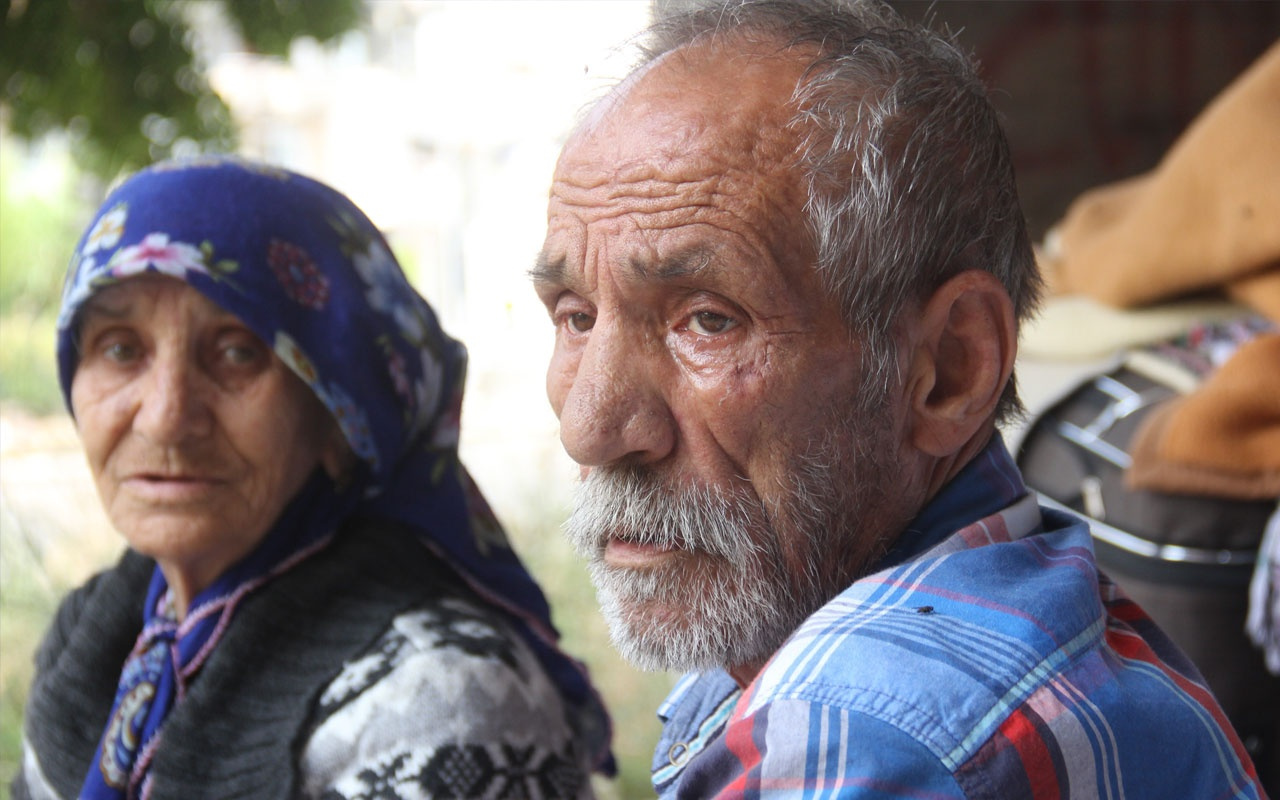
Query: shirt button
678,754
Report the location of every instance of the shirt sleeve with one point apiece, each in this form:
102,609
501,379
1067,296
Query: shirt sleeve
449,702
809,749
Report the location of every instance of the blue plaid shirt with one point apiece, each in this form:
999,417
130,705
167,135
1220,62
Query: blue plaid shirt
987,657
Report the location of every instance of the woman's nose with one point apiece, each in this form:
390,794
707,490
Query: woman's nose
614,407
174,403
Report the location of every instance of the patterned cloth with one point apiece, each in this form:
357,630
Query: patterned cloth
367,671
303,268
489,733
988,658
1263,623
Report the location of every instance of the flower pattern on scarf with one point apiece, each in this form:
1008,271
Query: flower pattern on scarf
107,230
138,692
159,253
80,286
297,273
399,371
386,290
295,359
350,417
352,420
156,252
426,393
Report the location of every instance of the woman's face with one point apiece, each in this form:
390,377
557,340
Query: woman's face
196,433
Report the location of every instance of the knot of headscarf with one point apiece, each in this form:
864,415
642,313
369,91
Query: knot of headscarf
143,699
168,653
302,267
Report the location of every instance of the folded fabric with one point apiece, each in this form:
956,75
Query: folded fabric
1206,219
1208,216
1222,439
1078,328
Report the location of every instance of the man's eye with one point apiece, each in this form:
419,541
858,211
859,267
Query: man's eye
709,323
580,322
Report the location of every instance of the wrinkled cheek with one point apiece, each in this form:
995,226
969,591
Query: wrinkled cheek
562,373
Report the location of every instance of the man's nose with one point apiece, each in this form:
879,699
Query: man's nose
173,405
615,407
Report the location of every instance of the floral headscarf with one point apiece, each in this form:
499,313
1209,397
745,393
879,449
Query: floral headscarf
304,269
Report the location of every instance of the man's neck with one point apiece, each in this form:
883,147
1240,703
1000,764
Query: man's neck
744,674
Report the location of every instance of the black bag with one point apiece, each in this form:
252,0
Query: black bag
1186,559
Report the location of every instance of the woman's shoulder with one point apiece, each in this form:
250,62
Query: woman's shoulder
440,646
105,611
449,701
77,665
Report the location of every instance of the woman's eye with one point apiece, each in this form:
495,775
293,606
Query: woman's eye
120,352
709,323
241,353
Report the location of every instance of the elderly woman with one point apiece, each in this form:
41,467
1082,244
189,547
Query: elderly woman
316,601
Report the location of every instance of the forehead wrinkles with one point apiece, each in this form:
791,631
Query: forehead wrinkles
662,229
663,148
718,182
673,147
144,297
670,195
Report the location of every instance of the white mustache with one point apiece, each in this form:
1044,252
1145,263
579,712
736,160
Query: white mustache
633,504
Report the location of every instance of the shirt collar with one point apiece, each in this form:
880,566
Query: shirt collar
984,486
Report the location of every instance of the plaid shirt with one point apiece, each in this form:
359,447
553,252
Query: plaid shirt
988,657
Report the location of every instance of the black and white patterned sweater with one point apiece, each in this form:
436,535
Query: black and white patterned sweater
368,671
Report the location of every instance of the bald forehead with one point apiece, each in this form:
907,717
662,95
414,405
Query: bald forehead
729,97
694,152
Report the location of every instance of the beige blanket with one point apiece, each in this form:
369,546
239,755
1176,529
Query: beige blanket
1207,218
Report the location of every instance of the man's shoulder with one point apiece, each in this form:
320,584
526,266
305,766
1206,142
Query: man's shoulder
947,644
987,655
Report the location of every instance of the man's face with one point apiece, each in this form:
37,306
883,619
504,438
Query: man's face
703,378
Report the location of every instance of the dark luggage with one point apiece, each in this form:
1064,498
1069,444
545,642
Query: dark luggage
1186,559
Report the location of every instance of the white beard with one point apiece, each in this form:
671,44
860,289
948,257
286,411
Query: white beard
748,572
723,599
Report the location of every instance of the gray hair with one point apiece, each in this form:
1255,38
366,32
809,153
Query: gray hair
910,181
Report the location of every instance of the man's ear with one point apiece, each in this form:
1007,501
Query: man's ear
963,346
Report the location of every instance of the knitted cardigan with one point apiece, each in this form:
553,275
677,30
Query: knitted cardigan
239,731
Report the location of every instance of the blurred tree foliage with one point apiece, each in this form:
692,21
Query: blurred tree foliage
122,78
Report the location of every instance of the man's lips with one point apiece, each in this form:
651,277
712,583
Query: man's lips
625,553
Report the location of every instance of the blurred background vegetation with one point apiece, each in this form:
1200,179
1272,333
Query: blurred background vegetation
122,78
92,90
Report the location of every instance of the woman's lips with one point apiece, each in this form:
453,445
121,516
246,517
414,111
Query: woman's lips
170,488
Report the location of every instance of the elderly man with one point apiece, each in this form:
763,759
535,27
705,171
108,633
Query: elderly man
786,264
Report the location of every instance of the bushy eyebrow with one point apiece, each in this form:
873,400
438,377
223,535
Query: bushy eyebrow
547,271
682,264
